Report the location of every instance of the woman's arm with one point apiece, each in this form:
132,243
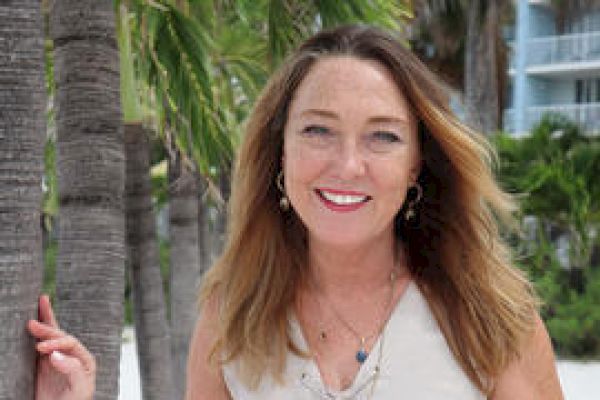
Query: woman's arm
204,381
533,376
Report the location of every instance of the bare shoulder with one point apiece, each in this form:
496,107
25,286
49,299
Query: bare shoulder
532,376
204,380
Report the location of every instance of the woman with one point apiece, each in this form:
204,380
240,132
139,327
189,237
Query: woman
363,258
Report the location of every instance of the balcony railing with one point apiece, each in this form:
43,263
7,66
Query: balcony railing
587,116
579,47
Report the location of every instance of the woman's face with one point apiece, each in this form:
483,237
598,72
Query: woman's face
350,151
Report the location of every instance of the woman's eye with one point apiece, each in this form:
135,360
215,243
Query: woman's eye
316,130
388,137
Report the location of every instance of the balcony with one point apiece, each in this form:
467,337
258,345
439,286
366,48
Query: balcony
587,116
564,49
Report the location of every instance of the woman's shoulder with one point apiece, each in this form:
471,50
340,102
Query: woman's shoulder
533,375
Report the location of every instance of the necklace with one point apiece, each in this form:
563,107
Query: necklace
326,394
361,354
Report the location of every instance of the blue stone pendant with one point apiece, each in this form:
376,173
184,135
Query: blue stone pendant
361,356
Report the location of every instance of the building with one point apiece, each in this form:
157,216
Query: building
554,67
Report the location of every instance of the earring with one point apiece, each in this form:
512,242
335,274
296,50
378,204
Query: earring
411,213
284,202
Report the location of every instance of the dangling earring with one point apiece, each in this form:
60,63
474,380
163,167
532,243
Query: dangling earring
411,213
284,202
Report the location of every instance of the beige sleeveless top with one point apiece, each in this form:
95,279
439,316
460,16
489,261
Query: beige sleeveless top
411,355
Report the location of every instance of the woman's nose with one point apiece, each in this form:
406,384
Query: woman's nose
351,162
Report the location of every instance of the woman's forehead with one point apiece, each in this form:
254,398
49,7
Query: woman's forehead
334,83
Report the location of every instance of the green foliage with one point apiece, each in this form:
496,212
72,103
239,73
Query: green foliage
49,286
50,187
574,320
290,22
554,172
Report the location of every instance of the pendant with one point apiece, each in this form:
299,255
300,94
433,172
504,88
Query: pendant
361,356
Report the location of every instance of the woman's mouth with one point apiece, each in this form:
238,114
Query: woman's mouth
342,200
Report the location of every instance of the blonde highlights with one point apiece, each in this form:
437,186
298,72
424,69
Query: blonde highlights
485,307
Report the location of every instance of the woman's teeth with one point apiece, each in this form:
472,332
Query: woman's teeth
343,199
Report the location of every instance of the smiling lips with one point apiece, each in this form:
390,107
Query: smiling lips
342,200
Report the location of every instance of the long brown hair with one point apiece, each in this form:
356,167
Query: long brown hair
485,307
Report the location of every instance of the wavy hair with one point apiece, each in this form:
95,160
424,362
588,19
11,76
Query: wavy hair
484,306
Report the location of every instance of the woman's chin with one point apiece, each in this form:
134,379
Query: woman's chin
342,238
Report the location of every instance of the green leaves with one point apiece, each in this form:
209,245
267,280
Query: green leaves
555,167
290,22
555,170
200,64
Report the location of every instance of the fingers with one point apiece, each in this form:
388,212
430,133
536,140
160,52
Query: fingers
46,314
42,331
64,364
69,347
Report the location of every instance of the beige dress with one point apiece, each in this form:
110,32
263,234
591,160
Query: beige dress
412,357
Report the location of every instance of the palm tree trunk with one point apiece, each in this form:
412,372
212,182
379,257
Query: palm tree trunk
481,69
22,135
184,265
151,326
91,180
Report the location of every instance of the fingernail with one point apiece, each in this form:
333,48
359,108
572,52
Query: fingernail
57,355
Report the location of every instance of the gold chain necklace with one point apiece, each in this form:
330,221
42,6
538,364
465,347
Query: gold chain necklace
361,354
324,393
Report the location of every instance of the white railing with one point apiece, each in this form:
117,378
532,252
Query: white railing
564,49
587,116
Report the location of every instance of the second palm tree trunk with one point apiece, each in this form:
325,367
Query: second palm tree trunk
151,326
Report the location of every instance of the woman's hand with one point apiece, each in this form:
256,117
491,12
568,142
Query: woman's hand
66,370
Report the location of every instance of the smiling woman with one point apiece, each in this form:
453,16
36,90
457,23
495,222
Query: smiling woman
363,258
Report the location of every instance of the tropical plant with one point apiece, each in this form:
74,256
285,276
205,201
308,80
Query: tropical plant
22,135
90,169
554,170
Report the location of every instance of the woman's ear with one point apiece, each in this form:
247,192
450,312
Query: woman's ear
415,171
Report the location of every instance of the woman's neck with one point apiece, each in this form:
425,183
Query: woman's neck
356,270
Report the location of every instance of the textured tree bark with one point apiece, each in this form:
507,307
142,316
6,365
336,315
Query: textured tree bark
481,74
91,180
151,326
184,265
22,136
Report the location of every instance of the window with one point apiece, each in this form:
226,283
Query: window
579,91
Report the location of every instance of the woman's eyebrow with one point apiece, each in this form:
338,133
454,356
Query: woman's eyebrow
320,113
373,119
388,119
